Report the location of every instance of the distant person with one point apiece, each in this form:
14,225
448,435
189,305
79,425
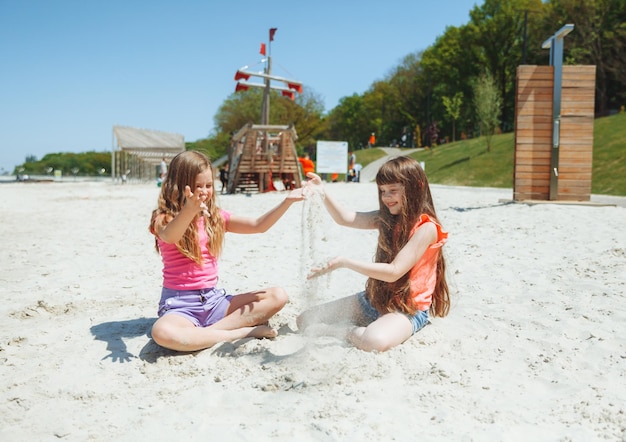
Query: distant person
162,169
307,164
372,140
354,169
407,279
287,179
224,176
357,172
351,164
352,176
189,230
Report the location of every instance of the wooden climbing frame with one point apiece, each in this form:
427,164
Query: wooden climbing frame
260,154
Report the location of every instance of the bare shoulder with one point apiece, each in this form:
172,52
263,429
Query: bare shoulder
367,220
426,232
159,221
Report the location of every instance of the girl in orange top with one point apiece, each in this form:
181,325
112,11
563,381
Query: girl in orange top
307,164
407,279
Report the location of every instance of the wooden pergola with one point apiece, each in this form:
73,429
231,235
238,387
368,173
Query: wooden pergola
137,153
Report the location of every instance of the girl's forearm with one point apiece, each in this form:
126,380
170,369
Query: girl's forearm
173,231
267,220
337,213
376,270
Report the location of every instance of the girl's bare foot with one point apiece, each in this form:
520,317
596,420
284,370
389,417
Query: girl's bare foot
262,331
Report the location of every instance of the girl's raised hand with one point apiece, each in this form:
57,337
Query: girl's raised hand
331,265
314,179
296,195
313,185
196,201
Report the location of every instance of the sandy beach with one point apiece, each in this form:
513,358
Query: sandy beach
534,347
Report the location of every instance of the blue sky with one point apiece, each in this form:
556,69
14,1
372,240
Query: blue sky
71,69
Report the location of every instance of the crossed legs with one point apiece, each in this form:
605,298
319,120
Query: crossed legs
247,316
346,320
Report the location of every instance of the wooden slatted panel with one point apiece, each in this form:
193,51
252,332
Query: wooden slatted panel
533,133
576,134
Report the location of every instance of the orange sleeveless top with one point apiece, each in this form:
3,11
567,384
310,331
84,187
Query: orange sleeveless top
423,275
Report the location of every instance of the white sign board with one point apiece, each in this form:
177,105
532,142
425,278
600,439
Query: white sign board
332,157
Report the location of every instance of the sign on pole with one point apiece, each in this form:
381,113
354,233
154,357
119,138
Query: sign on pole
332,157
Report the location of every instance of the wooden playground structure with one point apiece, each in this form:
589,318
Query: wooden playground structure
260,154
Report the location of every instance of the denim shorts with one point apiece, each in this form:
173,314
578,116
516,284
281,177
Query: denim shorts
202,307
418,321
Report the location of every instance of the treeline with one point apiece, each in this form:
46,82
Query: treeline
431,96
439,94
69,164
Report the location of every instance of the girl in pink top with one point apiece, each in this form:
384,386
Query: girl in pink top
189,229
407,279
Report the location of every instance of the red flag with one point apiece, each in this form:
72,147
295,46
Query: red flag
272,32
262,51
295,86
239,75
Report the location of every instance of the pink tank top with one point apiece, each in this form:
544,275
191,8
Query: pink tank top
182,273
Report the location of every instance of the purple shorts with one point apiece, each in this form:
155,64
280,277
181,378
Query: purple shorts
202,307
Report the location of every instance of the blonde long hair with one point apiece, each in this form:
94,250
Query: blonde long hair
183,171
394,233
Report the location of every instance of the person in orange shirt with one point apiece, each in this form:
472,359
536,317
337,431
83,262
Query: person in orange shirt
307,164
372,140
407,281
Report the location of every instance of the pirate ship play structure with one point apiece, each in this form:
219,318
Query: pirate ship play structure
261,153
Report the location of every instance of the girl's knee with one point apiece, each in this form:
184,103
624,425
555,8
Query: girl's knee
373,341
279,297
162,334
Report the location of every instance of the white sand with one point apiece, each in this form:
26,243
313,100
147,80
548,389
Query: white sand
533,349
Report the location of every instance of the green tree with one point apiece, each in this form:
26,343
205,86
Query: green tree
445,69
87,163
402,99
381,103
498,27
598,38
241,108
453,108
487,102
306,115
348,121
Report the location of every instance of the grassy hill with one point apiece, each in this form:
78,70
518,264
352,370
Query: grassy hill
609,155
467,163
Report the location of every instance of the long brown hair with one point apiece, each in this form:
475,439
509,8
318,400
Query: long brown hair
394,232
183,171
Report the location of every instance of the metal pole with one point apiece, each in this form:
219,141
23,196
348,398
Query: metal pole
265,111
525,36
113,155
555,44
265,117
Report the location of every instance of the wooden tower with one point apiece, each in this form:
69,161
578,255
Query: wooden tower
259,154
